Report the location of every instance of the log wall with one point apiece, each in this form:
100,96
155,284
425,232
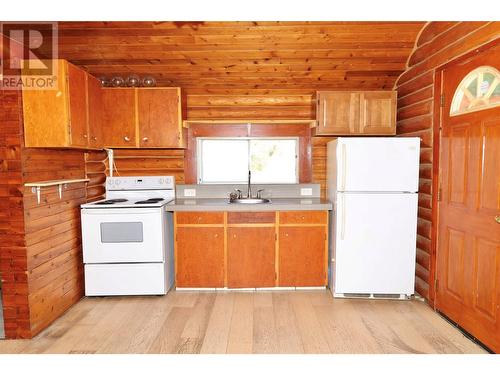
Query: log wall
439,43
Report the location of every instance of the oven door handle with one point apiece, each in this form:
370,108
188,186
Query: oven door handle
120,211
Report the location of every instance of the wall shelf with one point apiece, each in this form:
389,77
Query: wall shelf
36,187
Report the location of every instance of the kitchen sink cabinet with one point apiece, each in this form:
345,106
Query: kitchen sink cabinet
251,249
251,257
356,112
58,117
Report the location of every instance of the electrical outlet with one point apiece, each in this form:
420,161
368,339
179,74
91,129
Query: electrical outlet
190,192
306,191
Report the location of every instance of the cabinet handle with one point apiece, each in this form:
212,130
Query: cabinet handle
216,235
94,138
85,136
234,235
126,138
145,139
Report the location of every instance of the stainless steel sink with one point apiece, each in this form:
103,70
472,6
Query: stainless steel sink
249,200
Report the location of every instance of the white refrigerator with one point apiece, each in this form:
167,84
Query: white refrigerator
373,185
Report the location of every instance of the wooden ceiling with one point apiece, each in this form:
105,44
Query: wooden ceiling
205,57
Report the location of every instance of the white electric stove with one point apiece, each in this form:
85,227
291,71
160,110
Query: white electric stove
127,238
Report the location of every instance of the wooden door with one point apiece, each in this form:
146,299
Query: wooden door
468,253
77,89
119,121
95,112
251,257
159,116
302,256
377,112
338,113
199,257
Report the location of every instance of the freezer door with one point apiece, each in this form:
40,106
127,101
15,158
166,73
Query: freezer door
377,164
375,243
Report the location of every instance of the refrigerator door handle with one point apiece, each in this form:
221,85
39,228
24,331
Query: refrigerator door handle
342,223
344,166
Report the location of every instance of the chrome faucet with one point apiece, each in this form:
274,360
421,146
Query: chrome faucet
249,193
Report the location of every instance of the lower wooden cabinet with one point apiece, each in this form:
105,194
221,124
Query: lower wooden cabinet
251,257
251,249
303,256
199,257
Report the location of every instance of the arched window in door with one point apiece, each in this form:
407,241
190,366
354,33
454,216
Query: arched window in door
480,89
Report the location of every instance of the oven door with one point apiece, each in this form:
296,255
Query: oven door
123,235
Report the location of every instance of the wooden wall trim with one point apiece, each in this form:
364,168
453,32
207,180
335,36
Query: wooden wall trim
250,130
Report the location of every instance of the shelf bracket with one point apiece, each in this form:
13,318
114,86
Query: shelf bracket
36,190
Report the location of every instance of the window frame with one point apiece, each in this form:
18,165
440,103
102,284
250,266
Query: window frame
469,77
199,164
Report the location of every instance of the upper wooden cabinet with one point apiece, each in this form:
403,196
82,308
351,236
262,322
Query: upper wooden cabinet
142,117
119,118
79,113
95,112
356,112
58,117
160,117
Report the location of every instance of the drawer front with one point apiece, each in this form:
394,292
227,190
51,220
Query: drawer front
303,217
199,217
251,217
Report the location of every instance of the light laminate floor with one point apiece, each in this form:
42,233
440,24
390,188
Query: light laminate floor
246,322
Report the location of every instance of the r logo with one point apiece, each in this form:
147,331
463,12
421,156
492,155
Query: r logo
29,48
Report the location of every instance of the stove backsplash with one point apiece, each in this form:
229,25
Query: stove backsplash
270,190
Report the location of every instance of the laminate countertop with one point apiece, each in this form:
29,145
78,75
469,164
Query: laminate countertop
276,204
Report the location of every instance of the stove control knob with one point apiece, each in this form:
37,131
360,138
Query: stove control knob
160,181
118,182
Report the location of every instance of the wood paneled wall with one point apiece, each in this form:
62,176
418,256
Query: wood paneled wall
439,43
13,261
53,234
40,244
251,104
149,162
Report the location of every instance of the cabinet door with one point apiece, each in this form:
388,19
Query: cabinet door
159,116
119,123
338,113
378,112
251,257
199,257
45,114
95,110
302,256
77,88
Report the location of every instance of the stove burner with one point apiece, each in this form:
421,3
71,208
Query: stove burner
113,201
150,201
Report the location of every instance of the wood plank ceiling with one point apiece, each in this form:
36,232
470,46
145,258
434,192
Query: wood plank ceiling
249,57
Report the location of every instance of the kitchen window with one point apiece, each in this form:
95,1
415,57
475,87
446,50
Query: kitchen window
228,160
